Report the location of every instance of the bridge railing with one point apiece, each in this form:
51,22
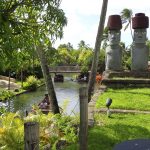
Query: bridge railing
65,69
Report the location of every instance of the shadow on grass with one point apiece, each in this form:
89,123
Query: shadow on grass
106,137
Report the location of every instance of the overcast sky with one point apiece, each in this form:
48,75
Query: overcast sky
83,18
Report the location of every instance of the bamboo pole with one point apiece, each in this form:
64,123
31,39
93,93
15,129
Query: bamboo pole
83,118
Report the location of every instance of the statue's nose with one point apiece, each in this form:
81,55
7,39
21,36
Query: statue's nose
140,36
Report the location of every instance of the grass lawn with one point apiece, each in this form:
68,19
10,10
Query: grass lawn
130,98
110,131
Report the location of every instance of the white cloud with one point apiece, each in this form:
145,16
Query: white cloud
83,18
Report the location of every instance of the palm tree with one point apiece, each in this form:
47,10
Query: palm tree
126,16
48,79
81,44
98,41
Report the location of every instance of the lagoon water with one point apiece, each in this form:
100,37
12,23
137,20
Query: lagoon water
67,94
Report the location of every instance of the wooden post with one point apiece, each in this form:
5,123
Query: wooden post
83,118
31,136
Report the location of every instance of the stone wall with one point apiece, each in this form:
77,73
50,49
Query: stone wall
127,74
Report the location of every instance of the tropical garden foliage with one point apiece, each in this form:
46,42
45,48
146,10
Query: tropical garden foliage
5,95
31,83
53,129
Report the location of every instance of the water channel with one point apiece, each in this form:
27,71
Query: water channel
67,94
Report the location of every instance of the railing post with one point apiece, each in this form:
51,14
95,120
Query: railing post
83,118
31,136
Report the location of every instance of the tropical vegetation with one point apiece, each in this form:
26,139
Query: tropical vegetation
53,130
5,95
31,83
28,30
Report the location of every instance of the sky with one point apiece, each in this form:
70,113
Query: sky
83,19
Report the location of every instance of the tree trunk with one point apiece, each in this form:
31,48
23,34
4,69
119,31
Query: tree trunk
131,29
99,37
48,80
9,81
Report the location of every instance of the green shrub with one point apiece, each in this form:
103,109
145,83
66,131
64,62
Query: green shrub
31,83
11,132
53,128
5,95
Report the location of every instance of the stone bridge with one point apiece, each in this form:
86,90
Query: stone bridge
65,69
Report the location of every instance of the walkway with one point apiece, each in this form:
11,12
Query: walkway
4,85
91,106
122,111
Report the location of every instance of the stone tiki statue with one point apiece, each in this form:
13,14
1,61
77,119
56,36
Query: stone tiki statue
139,52
113,56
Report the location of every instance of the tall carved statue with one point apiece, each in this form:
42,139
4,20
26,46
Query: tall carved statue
113,56
140,52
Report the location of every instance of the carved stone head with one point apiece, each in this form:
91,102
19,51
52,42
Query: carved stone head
114,26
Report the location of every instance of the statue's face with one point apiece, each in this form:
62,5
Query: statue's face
139,35
114,37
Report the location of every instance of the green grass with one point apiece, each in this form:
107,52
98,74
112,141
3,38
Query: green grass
131,98
110,131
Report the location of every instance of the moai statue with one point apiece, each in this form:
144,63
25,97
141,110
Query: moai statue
113,57
139,52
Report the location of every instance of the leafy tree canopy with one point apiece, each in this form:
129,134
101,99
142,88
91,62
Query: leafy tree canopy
23,21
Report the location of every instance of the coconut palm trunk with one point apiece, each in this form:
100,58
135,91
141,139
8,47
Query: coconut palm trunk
48,80
131,29
99,37
21,78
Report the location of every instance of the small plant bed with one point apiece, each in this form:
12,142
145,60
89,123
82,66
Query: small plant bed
127,98
120,127
31,83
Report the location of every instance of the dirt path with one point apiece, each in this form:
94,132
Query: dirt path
91,106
